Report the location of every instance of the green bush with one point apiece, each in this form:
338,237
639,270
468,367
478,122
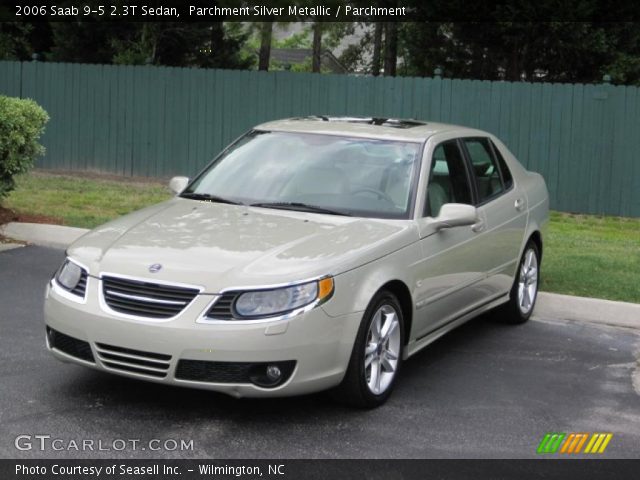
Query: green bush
22,122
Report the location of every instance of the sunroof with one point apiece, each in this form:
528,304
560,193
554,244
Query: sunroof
379,121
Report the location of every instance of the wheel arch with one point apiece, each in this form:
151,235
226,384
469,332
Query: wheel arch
536,237
402,293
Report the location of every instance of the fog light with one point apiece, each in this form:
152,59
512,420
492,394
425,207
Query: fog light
273,373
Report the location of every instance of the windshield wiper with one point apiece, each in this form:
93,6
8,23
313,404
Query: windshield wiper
209,198
299,206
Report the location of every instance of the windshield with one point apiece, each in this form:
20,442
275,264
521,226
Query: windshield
311,172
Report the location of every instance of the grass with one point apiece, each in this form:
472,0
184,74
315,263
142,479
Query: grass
592,256
82,201
584,255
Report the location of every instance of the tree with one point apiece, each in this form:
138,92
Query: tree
521,40
224,43
266,31
88,41
317,47
14,41
624,64
557,51
377,49
180,44
390,48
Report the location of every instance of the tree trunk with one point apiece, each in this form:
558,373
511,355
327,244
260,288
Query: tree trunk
317,47
390,48
266,29
514,72
149,43
377,47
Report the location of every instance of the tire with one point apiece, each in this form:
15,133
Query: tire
369,386
524,292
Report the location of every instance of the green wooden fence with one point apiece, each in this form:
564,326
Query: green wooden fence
157,121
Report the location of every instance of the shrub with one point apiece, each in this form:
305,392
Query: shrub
22,122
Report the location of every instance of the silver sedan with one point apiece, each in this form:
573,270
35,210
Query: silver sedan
311,254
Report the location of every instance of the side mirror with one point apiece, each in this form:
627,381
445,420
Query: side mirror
455,215
178,184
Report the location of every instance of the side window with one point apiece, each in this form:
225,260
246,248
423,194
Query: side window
507,178
448,179
484,167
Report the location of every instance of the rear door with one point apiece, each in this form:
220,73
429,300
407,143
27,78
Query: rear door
502,206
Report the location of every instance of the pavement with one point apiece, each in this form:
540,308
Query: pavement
485,390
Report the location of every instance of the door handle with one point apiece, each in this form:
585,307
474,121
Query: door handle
519,204
478,227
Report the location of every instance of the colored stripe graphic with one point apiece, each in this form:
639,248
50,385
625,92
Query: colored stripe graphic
572,443
598,442
551,442
571,439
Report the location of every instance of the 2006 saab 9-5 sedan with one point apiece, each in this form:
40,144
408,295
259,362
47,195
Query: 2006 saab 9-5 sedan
311,254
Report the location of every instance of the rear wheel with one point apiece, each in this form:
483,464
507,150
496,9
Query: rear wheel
524,292
377,354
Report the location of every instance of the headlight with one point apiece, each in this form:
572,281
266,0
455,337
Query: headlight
265,303
69,275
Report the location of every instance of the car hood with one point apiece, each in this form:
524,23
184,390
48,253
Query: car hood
220,246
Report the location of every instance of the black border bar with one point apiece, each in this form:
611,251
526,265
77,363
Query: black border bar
320,10
566,469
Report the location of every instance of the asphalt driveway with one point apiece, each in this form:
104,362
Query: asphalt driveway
485,390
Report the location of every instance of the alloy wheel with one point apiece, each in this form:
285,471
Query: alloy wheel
528,281
382,349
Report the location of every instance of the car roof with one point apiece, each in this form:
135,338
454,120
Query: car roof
368,127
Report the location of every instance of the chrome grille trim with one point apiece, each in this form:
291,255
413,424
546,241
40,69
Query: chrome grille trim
118,364
143,298
133,353
133,361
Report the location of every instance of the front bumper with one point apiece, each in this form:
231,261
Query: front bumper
320,345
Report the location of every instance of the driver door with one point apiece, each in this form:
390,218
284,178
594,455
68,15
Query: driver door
452,267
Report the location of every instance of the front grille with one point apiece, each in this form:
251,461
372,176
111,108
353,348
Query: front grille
215,372
69,345
230,372
222,309
146,299
134,361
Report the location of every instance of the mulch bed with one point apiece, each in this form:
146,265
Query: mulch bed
7,215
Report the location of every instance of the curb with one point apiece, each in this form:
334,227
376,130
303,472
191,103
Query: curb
549,305
9,246
584,309
55,236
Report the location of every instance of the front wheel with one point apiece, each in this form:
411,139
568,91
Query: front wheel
523,295
377,354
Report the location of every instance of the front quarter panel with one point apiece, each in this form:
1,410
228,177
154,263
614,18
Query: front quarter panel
355,288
